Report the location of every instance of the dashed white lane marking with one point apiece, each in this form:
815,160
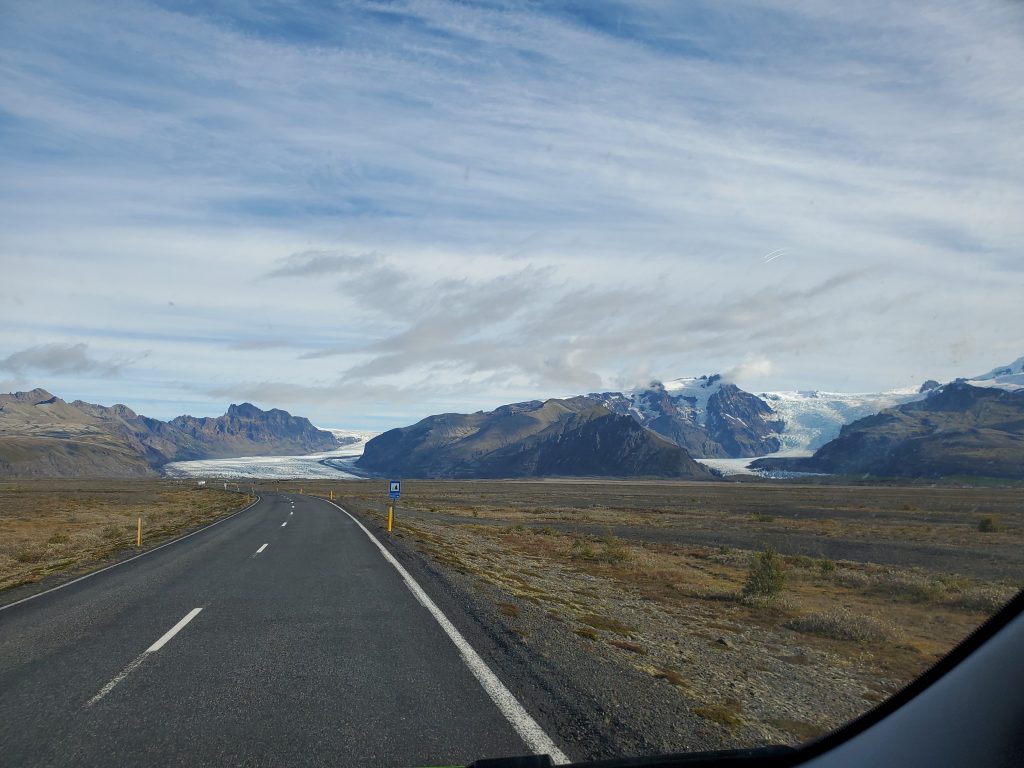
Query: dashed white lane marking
284,523
173,631
291,513
527,728
262,548
142,657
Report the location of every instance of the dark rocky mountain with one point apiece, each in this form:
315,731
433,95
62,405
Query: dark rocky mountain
707,416
42,435
245,430
574,437
959,429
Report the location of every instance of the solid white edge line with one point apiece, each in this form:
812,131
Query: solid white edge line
142,656
134,557
173,631
527,728
262,548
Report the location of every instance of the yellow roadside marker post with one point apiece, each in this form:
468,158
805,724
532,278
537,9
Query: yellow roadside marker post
394,492
138,535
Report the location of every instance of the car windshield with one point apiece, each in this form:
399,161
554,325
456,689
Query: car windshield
417,382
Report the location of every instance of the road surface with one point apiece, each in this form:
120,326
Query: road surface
280,636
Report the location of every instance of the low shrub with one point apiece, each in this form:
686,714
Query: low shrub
765,576
582,549
615,552
989,524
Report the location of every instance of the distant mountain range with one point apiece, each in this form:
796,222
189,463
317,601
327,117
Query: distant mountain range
44,436
969,426
957,429
574,437
710,418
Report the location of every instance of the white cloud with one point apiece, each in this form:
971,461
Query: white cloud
751,368
484,203
60,359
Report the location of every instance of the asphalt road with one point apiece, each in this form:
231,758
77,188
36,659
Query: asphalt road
281,636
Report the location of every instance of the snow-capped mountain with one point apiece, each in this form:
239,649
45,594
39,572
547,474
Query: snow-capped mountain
714,419
1009,377
708,416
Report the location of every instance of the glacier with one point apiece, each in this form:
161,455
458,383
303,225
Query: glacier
338,464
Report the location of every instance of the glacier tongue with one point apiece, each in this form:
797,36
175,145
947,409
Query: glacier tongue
814,418
330,465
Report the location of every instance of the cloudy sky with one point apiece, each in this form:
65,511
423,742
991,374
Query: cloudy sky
367,212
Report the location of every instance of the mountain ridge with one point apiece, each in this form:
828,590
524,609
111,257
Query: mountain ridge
45,436
709,417
568,437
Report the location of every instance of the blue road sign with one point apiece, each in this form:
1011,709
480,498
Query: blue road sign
396,489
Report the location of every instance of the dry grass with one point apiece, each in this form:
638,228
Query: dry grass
843,624
628,645
878,512
51,526
605,624
673,676
725,713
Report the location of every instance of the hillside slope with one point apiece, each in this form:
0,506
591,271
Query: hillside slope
574,437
